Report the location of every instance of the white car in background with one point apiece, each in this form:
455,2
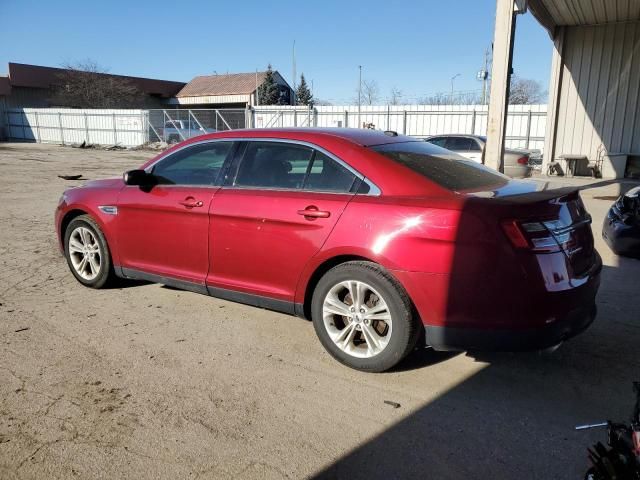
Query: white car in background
516,162
175,131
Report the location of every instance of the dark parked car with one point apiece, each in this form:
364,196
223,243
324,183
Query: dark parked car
621,228
383,241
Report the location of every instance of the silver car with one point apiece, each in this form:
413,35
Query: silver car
516,162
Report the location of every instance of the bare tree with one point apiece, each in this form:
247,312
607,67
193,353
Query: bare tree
525,91
458,98
86,84
395,97
370,93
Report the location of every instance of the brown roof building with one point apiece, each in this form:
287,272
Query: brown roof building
34,86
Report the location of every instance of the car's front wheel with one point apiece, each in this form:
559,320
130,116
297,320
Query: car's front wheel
363,317
87,252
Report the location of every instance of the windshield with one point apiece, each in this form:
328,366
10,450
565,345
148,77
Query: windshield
441,166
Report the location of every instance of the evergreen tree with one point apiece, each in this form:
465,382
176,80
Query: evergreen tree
303,94
269,91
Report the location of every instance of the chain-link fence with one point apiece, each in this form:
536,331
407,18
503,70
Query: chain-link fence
176,125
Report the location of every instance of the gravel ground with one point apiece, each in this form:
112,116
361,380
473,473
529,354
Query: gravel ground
150,382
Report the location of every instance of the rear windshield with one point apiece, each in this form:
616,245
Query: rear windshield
441,166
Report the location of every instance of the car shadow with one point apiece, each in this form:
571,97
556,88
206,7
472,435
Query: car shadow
515,418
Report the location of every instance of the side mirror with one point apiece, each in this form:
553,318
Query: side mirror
137,177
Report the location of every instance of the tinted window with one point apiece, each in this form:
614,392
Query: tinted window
197,165
460,144
439,141
441,167
475,145
274,165
327,175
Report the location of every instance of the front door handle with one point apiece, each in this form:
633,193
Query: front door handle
191,202
312,212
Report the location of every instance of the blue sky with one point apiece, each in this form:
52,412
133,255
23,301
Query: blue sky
415,46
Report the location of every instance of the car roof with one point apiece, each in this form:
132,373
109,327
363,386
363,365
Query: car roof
359,136
464,135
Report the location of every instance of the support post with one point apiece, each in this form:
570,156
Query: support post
555,87
346,119
404,121
526,144
500,79
115,130
86,129
295,117
23,121
38,139
473,122
60,127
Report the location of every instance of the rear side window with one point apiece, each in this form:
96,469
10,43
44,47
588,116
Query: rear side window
439,141
440,166
460,144
327,175
196,165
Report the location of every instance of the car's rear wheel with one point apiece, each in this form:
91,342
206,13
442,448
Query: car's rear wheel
363,317
87,252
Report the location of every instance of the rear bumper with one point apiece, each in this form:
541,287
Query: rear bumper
456,338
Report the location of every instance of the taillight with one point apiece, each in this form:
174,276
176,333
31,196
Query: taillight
541,236
514,234
523,160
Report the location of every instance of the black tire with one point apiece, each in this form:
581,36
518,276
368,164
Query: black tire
405,331
105,274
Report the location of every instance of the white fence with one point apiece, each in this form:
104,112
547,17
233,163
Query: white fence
525,123
68,126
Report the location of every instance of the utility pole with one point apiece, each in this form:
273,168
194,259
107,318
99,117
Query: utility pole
294,72
359,95
484,75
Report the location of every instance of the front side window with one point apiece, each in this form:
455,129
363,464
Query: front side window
442,167
196,165
273,165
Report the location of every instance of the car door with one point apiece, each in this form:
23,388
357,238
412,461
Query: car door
279,204
164,230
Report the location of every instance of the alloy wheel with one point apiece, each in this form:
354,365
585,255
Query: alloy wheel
85,253
357,319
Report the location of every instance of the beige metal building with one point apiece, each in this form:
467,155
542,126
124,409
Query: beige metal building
594,89
231,90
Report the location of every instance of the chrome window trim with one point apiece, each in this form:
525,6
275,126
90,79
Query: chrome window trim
374,190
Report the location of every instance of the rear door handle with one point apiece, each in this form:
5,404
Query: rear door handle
312,212
191,202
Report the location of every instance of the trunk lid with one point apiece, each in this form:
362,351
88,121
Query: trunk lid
544,221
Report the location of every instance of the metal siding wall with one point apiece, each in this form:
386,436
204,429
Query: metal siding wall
599,100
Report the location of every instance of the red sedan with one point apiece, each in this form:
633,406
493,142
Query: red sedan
383,241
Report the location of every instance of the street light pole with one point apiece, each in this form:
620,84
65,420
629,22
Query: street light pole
452,79
359,94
